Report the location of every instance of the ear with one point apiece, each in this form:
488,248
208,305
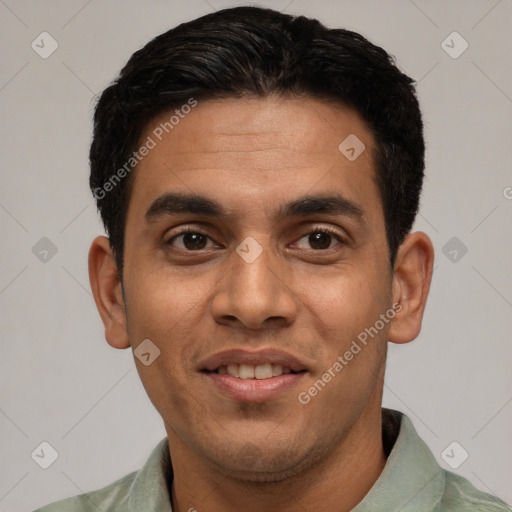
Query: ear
107,291
411,283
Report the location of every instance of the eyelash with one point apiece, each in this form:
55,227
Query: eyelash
326,230
184,231
316,229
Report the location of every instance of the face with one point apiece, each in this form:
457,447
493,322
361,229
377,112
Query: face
283,266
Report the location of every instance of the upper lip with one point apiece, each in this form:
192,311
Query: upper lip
241,356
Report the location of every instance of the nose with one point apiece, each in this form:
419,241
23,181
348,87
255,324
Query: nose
255,294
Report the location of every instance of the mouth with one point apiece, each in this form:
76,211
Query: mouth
251,371
246,376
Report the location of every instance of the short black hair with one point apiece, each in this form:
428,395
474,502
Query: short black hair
256,52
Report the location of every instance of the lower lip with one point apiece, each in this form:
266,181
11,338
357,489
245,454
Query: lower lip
254,390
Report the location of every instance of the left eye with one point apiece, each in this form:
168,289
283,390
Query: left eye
321,239
190,240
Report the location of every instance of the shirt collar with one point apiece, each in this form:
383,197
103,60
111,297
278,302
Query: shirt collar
149,490
412,480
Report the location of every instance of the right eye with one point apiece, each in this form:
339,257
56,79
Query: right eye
189,240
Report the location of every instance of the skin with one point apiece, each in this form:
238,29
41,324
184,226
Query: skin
252,156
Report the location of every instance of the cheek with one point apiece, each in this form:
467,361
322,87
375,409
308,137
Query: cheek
348,300
160,300
162,308
343,308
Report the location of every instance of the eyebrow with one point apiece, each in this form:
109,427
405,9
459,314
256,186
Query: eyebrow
176,203
332,205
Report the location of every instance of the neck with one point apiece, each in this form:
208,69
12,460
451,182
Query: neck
339,482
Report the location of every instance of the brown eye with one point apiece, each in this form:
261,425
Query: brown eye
189,240
194,241
320,240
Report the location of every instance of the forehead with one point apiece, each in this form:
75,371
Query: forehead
249,153
238,125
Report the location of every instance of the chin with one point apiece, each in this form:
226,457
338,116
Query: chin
264,465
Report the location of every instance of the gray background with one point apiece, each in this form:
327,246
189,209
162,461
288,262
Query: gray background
61,382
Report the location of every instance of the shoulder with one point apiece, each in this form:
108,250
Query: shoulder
461,496
109,498
146,489
411,465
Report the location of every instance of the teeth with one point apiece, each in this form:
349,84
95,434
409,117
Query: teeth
233,370
250,371
263,371
276,370
246,371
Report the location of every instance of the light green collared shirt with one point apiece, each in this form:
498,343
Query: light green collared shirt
412,481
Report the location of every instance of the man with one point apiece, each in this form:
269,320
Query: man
258,176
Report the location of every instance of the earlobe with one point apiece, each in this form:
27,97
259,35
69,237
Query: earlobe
411,283
106,289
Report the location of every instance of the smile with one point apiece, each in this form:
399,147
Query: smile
250,371
252,376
